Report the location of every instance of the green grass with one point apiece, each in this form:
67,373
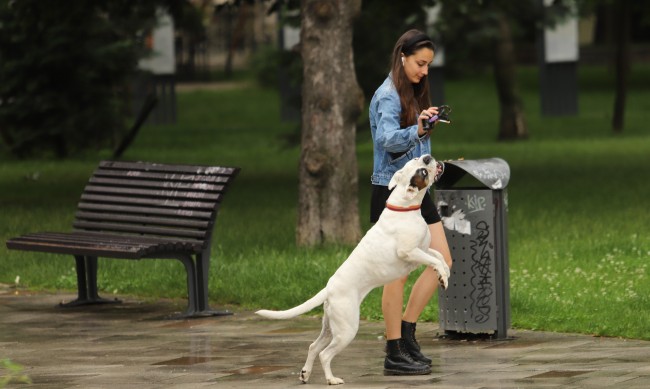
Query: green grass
578,205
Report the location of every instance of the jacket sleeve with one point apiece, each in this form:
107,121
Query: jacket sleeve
389,134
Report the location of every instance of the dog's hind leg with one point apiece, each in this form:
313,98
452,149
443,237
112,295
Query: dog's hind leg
315,348
344,323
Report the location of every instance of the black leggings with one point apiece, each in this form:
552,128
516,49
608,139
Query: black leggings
380,196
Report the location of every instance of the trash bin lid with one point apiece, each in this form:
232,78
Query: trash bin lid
494,173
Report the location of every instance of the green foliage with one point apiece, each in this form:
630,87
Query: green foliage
64,72
12,372
267,63
469,30
373,42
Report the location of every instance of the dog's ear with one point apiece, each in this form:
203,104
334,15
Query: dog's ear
394,180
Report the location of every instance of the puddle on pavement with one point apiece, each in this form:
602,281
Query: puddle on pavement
185,324
516,343
561,374
186,361
56,381
256,370
122,338
289,330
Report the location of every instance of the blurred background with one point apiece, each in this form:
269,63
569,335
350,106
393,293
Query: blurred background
92,68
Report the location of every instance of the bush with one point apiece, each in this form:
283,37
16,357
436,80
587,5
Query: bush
64,71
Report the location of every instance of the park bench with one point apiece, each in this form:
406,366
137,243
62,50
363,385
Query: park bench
138,210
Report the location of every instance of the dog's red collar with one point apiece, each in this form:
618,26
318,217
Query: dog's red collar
402,209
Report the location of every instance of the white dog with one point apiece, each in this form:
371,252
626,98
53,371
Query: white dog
396,245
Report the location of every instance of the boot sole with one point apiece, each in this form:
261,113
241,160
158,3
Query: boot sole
388,372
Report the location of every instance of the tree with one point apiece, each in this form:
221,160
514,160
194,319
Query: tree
332,102
625,21
475,30
621,61
64,71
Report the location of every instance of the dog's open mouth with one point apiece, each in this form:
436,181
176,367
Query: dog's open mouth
440,168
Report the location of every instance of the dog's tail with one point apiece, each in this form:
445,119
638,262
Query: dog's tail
307,306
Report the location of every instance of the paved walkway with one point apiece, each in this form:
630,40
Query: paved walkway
133,345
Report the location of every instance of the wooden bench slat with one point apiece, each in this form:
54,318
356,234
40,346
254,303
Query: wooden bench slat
173,177
73,245
142,220
194,186
79,248
110,239
122,209
98,250
150,202
54,249
72,241
160,167
114,227
170,194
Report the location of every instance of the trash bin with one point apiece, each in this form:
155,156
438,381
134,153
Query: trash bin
472,200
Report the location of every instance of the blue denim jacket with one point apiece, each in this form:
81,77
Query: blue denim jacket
392,146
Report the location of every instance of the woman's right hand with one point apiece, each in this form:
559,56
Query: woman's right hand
425,115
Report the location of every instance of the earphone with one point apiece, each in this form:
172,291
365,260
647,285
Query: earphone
402,61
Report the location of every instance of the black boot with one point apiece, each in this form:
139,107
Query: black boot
399,362
412,346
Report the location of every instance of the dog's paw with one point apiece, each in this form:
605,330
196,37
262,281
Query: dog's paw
443,269
444,282
446,269
335,381
304,375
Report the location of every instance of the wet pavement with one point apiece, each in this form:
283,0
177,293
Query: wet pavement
136,345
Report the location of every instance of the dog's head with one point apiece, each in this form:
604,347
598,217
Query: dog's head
416,176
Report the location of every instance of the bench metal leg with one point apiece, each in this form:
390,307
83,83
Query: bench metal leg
87,283
203,272
190,269
197,291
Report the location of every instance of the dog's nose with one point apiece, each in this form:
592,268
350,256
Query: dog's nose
426,159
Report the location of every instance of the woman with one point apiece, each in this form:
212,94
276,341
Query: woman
396,112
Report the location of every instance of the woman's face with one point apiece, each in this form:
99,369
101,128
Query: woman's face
416,65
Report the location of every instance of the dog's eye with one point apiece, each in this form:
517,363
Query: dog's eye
424,172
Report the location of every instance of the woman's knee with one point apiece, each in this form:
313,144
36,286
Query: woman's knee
398,283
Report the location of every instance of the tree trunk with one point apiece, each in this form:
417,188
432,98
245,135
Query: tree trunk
621,62
235,34
512,123
331,103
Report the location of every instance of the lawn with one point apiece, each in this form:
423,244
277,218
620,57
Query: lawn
578,205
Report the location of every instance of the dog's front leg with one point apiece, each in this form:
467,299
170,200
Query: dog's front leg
433,258
439,255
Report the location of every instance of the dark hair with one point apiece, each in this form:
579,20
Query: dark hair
413,97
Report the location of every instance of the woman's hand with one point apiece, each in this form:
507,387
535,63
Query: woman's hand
425,115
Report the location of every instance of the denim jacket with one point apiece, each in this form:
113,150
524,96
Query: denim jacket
392,146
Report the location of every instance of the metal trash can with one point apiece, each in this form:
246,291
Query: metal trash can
472,200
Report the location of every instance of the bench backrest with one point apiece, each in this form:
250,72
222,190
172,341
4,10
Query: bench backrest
152,199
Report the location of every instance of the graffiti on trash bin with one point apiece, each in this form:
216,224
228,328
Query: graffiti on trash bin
476,203
481,281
